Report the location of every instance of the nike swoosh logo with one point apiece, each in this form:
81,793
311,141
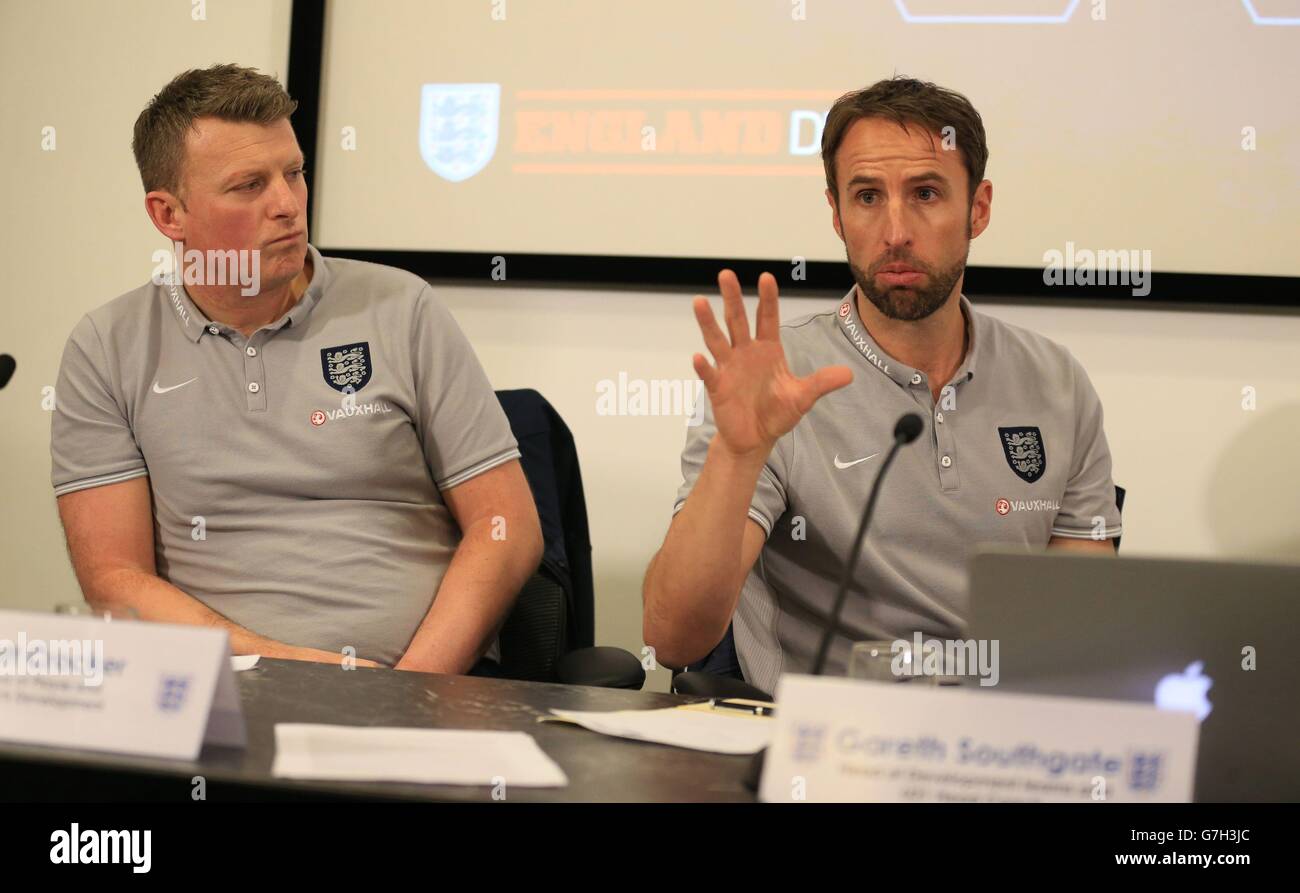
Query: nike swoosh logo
158,390
839,464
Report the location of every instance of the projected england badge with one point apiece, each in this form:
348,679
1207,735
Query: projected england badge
458,128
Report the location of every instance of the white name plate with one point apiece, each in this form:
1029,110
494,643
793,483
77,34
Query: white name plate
149,689
851,740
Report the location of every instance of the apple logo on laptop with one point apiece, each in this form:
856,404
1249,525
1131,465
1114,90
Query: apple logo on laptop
1185,691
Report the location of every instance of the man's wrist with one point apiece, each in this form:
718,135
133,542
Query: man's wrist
751,461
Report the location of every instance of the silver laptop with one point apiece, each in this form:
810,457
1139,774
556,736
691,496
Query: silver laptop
1179,634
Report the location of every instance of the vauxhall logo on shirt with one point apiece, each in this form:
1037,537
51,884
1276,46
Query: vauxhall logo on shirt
1026,456
860,340
347,368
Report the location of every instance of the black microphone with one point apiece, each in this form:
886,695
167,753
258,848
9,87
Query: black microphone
907,429
7,366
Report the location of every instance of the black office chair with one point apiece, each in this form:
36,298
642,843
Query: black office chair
549,634
719,675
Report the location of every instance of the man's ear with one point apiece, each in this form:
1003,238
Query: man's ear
166,212
835,214
981,208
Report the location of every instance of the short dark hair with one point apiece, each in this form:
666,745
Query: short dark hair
908,101
227,92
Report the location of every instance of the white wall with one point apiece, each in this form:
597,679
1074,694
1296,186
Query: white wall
1205,476
74,233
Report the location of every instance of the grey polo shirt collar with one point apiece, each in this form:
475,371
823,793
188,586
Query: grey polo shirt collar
853,329
194,324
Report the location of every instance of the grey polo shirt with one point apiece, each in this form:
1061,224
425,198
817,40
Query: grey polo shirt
1013,453
296,474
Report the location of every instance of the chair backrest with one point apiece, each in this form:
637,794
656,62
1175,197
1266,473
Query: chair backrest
556,608
534,636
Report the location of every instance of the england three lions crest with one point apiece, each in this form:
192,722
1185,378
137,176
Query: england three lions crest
458,128
1023,448
346,366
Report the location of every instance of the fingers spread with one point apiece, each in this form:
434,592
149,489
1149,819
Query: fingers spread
825,380
769,317
734,308
707,373
714,339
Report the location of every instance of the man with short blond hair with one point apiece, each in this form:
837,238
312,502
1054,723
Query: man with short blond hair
310,457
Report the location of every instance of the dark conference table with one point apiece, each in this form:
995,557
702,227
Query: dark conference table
600,768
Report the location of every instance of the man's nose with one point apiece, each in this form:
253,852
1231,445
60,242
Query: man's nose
283,201
898,229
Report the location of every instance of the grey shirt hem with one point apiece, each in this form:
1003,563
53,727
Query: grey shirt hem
100,480
477,468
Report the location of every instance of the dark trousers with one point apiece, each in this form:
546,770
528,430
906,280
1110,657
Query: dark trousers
722,660
486,667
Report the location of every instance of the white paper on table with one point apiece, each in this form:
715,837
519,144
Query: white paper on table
695,729
241,662
426,756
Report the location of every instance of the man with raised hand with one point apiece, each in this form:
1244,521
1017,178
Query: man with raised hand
799,416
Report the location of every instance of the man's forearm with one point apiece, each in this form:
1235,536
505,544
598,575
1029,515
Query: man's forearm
691,584
473,599
1083,547
154,599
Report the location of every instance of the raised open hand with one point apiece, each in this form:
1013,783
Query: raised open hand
755,397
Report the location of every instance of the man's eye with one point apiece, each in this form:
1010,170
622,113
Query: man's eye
865,194
925,189
249,185
298,172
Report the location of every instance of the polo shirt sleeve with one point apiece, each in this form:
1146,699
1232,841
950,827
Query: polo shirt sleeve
1089,490
769,500
91,442
463,430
